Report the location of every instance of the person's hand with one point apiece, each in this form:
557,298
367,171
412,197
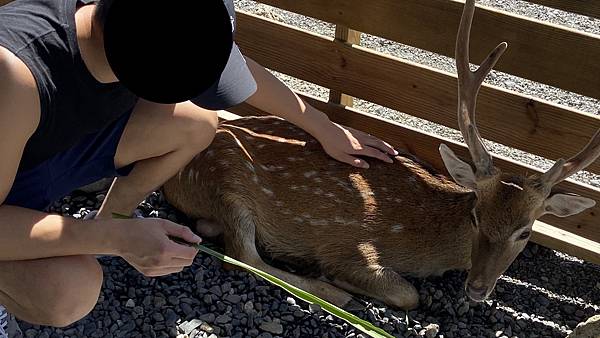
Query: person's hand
344,144
144,243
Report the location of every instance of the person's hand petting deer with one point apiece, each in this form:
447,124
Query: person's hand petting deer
127,88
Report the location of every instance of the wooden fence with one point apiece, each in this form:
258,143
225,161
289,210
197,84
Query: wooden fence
542,52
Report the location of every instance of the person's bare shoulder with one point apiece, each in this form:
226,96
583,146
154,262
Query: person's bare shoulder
19,115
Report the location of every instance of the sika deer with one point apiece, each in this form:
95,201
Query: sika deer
267,185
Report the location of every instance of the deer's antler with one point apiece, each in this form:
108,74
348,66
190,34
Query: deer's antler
469,84
563,169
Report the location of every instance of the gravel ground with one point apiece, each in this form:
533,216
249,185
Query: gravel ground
545,293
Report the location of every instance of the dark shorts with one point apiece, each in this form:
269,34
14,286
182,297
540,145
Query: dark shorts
91,159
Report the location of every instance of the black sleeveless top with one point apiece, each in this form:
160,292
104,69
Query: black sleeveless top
73,103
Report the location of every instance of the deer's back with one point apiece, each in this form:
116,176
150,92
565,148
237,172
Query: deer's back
313,208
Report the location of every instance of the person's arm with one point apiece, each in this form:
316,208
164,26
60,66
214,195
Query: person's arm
28,234
341,143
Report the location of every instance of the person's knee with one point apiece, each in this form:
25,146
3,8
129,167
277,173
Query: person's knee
199,131
74,293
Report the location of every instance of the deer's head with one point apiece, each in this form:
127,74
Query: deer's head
507,205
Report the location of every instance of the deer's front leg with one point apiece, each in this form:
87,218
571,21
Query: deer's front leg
380,283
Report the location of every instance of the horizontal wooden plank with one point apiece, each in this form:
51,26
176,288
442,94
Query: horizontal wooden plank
577,235
542,52
584,7
505,117
566,242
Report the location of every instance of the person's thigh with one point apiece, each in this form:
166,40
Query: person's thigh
52,291
156,129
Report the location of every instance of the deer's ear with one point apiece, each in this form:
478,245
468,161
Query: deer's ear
563,205
461,172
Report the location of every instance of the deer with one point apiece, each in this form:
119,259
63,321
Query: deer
269,190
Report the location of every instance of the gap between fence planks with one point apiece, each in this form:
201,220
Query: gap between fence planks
506,117
542,52
589,8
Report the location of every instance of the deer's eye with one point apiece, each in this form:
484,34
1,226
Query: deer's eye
524,235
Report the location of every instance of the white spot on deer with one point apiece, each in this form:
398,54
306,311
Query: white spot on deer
286,175
306,215
212,169
278,203
260,146
338,219
318,191
319,222
397,200
249,138
511,184
294,187
255,178
304,188
223,162
267,191
292,159
250,166
317,180
276,123
298,219
397,228
286,212
210,153
330,195
270,131
310,174
384,189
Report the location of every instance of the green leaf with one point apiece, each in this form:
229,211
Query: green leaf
353,320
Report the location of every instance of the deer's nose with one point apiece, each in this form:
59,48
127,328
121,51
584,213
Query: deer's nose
476,292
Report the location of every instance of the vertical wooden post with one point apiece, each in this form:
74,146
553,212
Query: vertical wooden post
345,35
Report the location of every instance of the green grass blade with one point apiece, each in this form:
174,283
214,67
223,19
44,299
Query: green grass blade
353,320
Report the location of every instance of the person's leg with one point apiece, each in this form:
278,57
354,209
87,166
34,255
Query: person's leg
52,291
161,140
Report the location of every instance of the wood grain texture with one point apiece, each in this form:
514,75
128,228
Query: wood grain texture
577,235
589,8
542,52
517,121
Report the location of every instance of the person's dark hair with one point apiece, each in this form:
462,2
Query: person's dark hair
101,11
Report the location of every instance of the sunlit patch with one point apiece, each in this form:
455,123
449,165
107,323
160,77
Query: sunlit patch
366,193
369,252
